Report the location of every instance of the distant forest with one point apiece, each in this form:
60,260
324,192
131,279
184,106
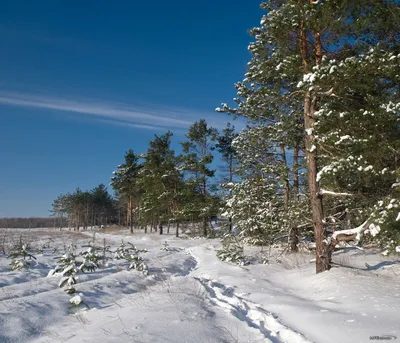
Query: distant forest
13,223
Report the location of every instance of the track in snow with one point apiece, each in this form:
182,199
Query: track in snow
252,314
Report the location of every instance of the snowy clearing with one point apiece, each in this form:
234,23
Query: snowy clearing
189,295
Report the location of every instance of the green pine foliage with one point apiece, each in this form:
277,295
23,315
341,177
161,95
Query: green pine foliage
91,258
232,251
322,85
160,181
196,162
125,183
22,256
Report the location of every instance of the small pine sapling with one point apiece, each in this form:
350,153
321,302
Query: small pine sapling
130,253
121,251
137,263
91,258
165,246
21,256
232,251
44,246
67,267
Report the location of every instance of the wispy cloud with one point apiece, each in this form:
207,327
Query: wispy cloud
129,115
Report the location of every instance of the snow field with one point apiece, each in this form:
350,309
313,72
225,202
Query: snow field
191,296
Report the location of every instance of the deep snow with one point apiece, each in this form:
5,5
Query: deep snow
191,296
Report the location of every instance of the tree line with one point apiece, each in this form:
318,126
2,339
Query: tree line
31,223
158,188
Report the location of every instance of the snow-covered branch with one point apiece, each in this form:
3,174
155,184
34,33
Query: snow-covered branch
351,234
327,93
334,194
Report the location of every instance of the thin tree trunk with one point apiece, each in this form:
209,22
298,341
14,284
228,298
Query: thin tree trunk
294,231
177,229
296,183
160,227
286,182
130,213
230,180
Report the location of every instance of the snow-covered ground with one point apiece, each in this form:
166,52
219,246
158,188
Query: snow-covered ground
191,296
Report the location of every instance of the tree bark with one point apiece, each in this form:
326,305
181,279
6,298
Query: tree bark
322,250
177,229
160,227
296,183
323,259
286,181
294,230
130,213
205,231
294,239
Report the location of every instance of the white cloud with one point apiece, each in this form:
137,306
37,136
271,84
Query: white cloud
128,115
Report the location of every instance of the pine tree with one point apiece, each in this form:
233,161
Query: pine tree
197,157
338,61
124,182
159,179
228,154
103,207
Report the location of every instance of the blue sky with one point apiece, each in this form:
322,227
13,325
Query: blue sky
84,81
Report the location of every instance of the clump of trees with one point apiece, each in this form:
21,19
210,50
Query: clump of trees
82,209
321,95
159,188
155,189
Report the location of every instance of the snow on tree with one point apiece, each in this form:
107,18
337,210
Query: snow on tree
21,256
328,72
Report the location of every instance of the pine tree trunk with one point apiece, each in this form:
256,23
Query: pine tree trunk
230,180
310,103
130,213
205,231
322,251
160,227
294,239
294,231
296,183
177,229
169,224
286,182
